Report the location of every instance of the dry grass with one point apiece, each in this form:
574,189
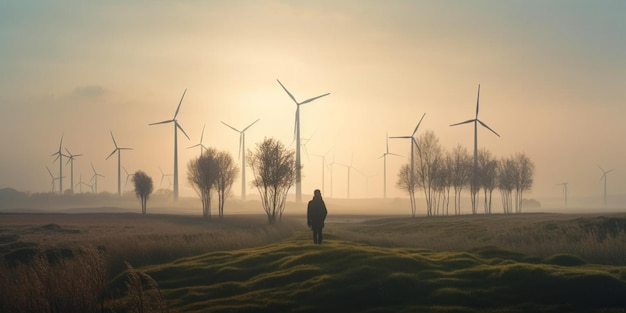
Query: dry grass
597,239
64,262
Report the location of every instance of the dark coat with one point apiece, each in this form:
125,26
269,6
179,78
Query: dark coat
316,212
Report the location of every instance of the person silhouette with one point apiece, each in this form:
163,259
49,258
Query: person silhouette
316,215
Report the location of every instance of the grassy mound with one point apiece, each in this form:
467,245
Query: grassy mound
343,276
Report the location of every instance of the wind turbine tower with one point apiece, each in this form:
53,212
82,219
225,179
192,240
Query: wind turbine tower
52,177
95,178
176,128
476,121
119,163
60,155
128,176
297,135
412,174
70,160
323,157
603,177
384,157
242,155
202,147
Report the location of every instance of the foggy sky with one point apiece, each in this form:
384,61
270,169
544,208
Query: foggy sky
552,75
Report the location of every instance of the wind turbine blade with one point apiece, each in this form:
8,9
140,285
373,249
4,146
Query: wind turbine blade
485,125
179,103
416,145
418,124
61,142
314,98
181,129
193,146
401,137
202,136
468,121
125,148
162,122
114,142
233,128
250,125
289,93
394,154
52,176
125,171
296,122
112,153
477,101
240,145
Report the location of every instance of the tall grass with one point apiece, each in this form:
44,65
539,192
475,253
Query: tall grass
600,240
55,285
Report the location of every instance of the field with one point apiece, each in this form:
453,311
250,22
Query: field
124,262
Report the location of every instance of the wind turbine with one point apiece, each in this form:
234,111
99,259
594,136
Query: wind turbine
242,155
119,163
476,121
95,178
163,176
604,177
52,177
60,155
176,128
412,174
323,157
202,147
128,175
81,183
384,157
330,167
564,193
70,160
297,135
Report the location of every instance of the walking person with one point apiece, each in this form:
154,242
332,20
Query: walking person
315,216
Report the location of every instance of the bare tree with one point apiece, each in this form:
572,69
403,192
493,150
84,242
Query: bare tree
202,174
429,152
406,183
461,171
143,188
227,170
487,172
274,172
525,173
506,182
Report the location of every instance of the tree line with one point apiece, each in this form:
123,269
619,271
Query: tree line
443,175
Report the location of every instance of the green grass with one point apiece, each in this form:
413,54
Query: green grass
344,276
497,263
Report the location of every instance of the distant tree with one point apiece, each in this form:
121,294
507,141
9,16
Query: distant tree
143,188
407,184
487,175
202,173
274,172
525,176
461,171
507,173
227,170
429,154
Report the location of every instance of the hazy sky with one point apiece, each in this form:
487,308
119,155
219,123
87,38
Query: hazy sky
552,75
